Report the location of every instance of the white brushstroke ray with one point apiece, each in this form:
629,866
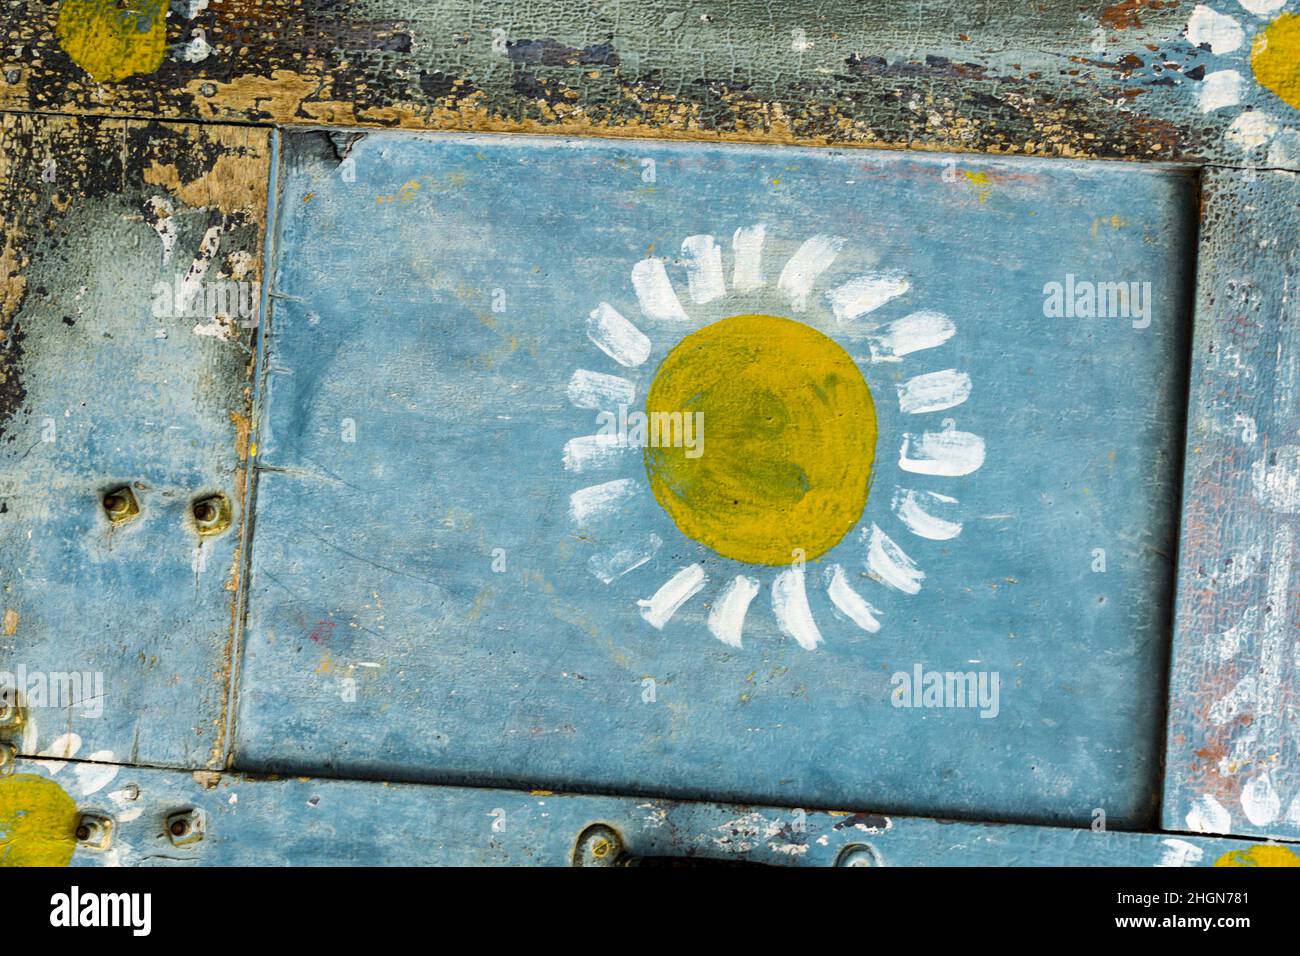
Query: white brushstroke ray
702,257
593,452
809,261
865,294
618,559
933,391
617,337
912,333
889,564
849,602
790,605
916,510
947,454
597,390
727,617
747,250
655,292
676,591
597,501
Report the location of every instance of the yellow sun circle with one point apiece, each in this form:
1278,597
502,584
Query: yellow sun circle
38,822
1275,58
789,434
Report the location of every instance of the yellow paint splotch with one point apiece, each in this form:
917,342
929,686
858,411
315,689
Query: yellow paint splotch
788,438
983,185
114,39
1261,854
38,822
1275,58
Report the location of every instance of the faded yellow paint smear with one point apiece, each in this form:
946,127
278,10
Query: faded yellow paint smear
114,39
11,622
1275,58
789,432
38,822
1261,854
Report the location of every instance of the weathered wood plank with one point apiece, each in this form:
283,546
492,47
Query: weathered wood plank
248,821
1141,79
1233,763
106,382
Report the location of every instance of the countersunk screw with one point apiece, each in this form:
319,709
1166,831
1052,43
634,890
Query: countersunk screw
858,854
211,514
598,845
13,76
120,504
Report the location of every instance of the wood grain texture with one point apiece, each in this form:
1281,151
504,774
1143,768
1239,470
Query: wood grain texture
105,382
249,821
1054,78
1233,762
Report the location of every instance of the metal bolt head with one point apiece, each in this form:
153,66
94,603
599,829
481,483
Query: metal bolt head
120,504
211,514
598,845
11,711
858,854
185,826
94,830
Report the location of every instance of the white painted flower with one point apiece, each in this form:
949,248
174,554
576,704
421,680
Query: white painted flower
1237,33
712,297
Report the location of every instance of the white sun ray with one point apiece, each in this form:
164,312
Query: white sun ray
747,249
947,454
593,452
933,391
676,591
889,564
655,293
597,390
621,557
865,294
809,261
617,337
912,333
702,257
850,603
597,501
727,617
916,510
790,605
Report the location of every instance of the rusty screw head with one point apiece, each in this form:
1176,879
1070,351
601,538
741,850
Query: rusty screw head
185,826
94,830
211,514
120,504
858,854
598,845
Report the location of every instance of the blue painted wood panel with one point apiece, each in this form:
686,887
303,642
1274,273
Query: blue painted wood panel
244,821
428,599
118,635
1234,740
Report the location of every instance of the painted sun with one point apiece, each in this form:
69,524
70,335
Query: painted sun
781,469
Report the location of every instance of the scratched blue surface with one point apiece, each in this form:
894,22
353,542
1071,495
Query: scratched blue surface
381,641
